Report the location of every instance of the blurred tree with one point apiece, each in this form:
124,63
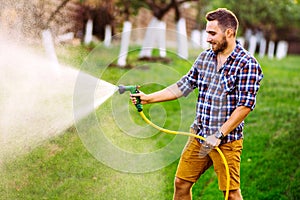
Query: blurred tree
156,29
56,11
43,24
126,33
275,18
129,7
160,7
102,13
40,15
202,7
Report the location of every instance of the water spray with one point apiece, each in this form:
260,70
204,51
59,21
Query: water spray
133,89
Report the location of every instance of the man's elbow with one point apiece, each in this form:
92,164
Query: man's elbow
174,89
244,109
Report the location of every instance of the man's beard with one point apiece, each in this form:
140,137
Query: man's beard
221,46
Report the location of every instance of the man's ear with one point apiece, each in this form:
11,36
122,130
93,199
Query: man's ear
230,32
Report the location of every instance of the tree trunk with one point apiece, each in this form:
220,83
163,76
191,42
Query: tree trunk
204,43
108,35
88,32
125,40
271,49
55,12
182,42
196,38
282,49
156,32
49,48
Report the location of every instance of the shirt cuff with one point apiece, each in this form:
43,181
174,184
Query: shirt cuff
184,86
247,99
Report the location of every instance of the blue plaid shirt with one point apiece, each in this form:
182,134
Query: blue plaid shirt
221,92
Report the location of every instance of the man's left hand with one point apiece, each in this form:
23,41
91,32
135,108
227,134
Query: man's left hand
212,141
209,144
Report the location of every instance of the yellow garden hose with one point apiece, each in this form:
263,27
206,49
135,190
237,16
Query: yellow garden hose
135,89
196,136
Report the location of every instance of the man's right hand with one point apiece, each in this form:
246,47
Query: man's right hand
144,98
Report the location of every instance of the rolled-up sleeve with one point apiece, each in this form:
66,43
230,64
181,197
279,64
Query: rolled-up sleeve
249,83
184,85
188,82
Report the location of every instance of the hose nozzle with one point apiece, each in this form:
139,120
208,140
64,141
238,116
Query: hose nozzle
133,89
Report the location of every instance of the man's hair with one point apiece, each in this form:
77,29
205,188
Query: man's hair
226,19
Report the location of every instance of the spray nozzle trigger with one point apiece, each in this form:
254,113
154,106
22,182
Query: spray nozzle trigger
133,89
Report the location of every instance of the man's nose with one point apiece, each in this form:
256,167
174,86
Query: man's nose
208,39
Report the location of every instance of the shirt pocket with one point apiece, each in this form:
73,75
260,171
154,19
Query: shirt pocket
229,83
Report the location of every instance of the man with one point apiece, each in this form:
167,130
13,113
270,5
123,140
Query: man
228,79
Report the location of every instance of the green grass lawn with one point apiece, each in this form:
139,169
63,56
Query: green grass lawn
65,168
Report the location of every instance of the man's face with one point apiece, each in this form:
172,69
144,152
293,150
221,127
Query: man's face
216,37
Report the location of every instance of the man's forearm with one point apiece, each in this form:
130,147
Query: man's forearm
170,93
238,115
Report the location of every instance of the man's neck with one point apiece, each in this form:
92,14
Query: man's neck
223,55
231,46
